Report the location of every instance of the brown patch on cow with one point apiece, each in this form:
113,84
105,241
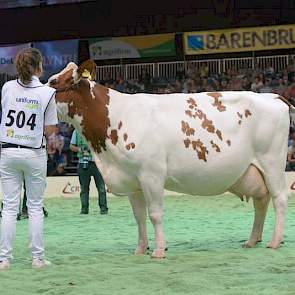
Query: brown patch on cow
201,150
186,129
214,94
192,102
130,146
80,102
217,103
228,142
120,125
189,113
247,113
207,125
240,122
191,107
125,136
114,136
215,146
239,115
187,142
219,134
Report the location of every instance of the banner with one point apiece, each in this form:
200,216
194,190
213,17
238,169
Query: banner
57,54
7,55
242,39
132,47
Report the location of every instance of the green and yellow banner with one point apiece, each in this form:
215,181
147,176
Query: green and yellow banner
132,47
240,39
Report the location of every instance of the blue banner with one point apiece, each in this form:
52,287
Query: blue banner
7,55
57,54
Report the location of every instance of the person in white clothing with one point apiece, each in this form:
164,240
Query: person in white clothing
28,113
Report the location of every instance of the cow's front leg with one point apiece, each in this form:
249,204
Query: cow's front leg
153,189
138,205
260,206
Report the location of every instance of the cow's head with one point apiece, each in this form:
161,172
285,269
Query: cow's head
82,102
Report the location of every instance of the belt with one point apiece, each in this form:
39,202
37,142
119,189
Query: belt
12,145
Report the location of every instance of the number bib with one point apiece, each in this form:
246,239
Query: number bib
23,111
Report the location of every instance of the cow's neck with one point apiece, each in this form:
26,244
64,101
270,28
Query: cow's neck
88,112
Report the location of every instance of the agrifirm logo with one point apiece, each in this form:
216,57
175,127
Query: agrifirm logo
9,133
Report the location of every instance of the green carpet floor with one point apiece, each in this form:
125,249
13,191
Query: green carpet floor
92,254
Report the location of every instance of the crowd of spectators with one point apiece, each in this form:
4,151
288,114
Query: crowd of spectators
191,80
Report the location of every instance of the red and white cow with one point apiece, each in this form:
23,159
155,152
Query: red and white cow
197,144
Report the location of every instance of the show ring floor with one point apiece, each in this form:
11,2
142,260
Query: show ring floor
92,254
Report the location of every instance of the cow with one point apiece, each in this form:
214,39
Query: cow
198,144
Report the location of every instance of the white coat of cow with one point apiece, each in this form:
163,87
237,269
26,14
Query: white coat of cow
197,144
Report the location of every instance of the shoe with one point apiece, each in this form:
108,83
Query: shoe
84,212
102,212
40,263
5,264
45,212
24,215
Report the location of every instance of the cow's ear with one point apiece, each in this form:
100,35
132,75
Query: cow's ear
53,82
71,66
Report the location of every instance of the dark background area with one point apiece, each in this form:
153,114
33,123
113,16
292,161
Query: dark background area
120,18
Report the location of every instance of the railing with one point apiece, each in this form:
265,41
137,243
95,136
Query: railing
134,71
108,72
170,69
237,63
278,62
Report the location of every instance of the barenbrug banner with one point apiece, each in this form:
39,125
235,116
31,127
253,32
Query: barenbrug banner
239,39
132,47
7,56
57,54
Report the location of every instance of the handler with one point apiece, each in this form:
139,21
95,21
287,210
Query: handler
28,112
86,169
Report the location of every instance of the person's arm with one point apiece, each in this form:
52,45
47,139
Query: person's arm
73,144
50,119
75,148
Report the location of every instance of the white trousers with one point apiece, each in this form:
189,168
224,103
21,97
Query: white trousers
16,165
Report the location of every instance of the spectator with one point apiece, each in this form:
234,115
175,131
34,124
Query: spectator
257,84
266,87
269,71
291,157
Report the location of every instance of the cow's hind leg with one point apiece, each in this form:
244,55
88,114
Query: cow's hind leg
138,205
252,184
280,202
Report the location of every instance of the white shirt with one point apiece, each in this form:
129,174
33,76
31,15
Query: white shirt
26,109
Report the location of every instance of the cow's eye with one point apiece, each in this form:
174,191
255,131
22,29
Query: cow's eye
53,82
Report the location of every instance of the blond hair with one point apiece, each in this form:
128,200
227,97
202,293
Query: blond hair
28,63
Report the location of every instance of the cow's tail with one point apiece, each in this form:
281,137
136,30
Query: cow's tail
287,102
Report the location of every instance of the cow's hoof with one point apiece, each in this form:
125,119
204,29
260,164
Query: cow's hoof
159,253
274,245
141,250
250,244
